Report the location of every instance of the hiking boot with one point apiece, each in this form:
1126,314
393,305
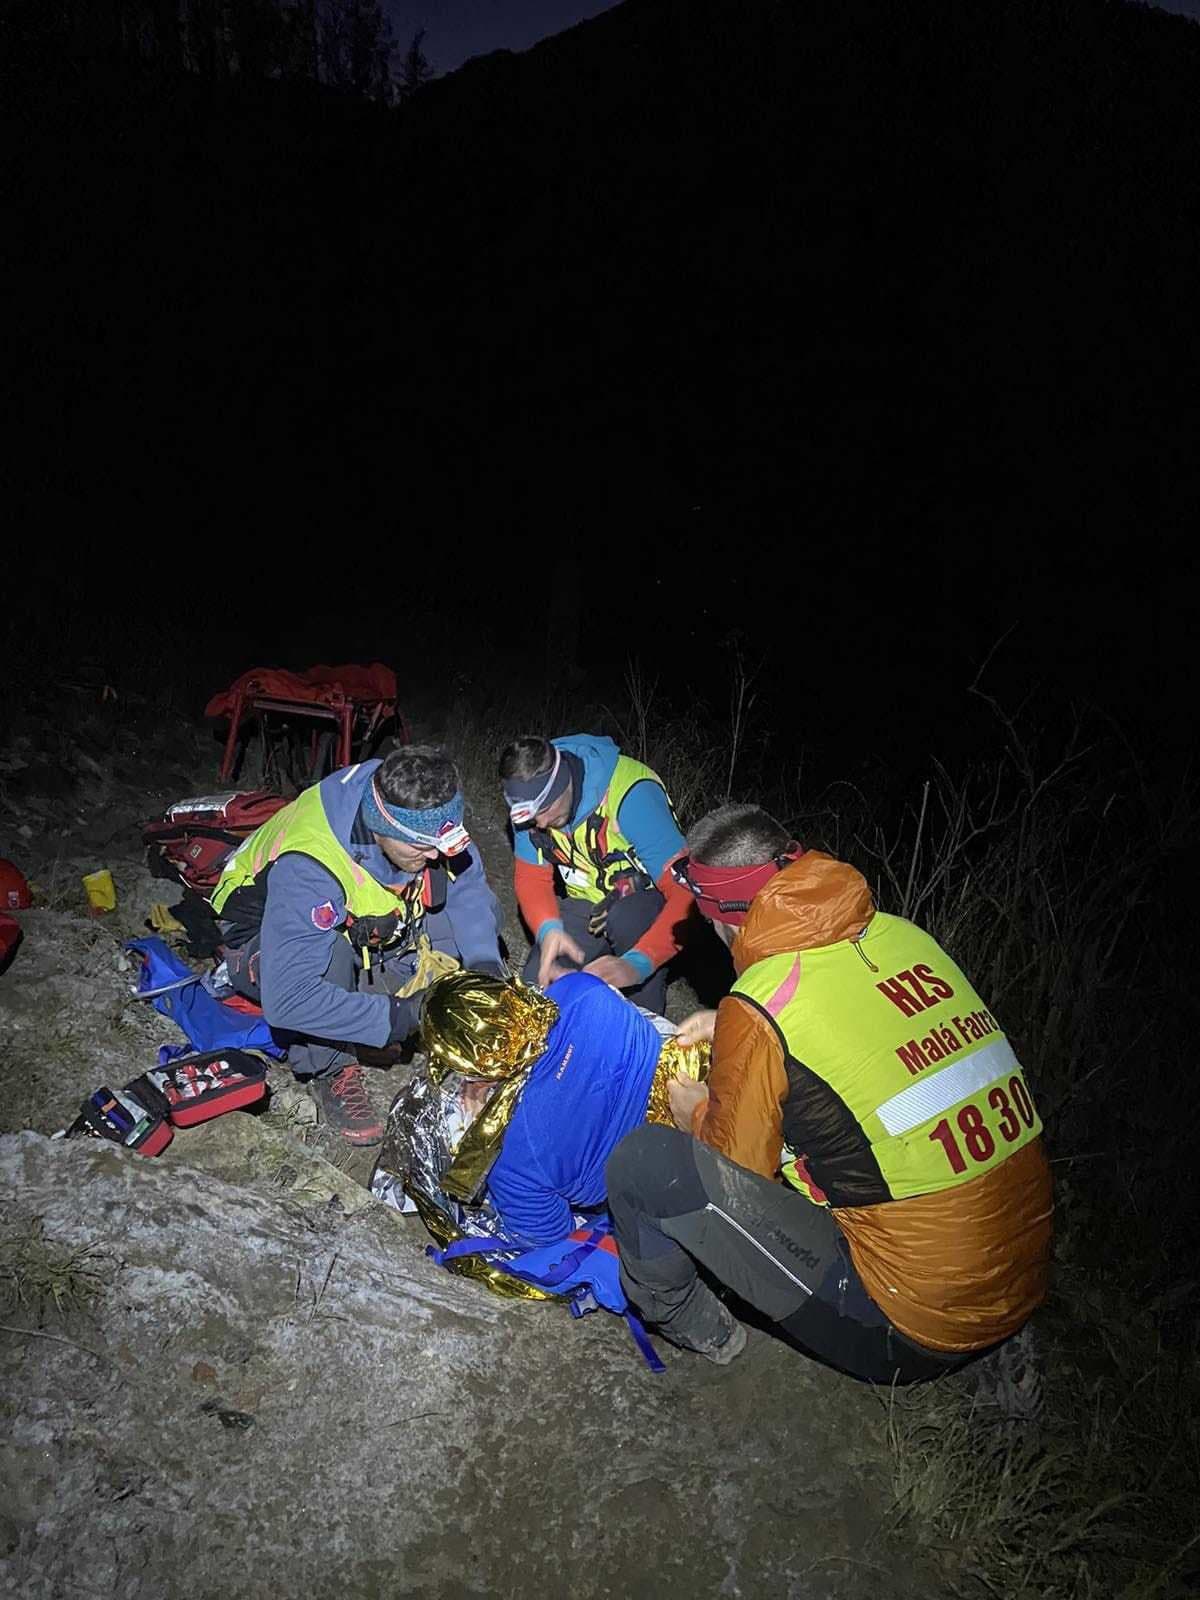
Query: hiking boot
723,1347
729,1349
344,1106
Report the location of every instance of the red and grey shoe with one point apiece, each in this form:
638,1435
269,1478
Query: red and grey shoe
345,1106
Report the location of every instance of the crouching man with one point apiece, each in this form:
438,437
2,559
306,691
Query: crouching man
854,1059
337,912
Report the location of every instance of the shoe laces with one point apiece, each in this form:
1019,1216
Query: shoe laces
350,1086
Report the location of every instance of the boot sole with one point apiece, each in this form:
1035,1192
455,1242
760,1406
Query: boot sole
364,1139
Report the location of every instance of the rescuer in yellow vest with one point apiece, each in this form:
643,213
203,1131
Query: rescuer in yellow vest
332,911
594,840
853,1060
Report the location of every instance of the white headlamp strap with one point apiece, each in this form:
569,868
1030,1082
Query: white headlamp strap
523,811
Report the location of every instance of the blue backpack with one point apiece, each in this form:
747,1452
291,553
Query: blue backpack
179,993
583,1269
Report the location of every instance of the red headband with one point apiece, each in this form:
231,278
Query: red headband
724,893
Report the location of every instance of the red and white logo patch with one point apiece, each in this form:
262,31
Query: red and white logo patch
324,917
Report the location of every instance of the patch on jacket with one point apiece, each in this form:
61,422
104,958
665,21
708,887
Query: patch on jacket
324,917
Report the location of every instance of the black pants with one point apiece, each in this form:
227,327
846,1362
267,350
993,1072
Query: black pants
628,920
676,1202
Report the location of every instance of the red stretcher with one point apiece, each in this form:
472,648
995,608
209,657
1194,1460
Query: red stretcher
348,707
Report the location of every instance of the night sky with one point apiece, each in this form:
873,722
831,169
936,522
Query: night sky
535,357
458,29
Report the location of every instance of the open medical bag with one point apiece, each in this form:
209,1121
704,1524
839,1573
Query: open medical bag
179,1094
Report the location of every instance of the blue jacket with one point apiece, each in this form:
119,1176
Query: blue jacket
298,935
644,817
584,1094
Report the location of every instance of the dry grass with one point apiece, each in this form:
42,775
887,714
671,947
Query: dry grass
699,759
1095,1498
41,1277
1043,878
1041,870
986,1498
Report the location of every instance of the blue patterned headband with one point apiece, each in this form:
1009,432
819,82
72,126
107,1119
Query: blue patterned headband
439,828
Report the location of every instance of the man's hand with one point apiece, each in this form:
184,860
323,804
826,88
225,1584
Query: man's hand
616,970
559,954
474,1096
698,1029
406,1015
685,1095
377,1055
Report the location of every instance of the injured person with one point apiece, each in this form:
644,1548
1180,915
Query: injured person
524,1097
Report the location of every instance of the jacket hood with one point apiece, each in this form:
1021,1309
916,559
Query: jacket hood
599,757
816,901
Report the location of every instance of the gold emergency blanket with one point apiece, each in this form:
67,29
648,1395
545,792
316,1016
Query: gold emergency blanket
484,1028
480,1030
480,1145
444,1231
675,1060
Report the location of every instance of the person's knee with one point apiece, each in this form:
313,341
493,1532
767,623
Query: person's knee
439,930
652,995
629,918
650,1164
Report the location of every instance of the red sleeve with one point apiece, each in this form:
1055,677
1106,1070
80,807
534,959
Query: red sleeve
535,893
665,935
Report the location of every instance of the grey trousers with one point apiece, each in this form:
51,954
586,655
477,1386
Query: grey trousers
675,1203
310,1057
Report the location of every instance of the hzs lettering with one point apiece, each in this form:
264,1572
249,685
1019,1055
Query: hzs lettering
915,990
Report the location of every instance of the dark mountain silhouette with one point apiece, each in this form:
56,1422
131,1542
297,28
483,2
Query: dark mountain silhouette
821,270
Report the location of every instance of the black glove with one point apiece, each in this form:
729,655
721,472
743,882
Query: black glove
406,1016
373,933
377,1055
405,1020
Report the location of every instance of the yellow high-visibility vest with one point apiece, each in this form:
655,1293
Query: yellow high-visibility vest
302,828
901,1082
595,852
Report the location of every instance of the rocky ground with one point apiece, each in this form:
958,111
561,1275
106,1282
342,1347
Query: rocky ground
228,1371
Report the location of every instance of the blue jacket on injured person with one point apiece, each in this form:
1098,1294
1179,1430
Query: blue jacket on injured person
586,1091
320,925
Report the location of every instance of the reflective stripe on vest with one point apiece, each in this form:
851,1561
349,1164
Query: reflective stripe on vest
302,828
595,852
909,1050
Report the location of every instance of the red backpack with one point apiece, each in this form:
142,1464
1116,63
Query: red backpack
195,838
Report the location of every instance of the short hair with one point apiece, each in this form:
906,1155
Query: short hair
418,777
737,836
525,758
